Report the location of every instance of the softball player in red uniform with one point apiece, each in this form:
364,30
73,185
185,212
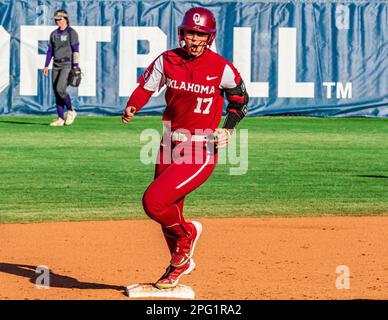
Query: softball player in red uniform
196,81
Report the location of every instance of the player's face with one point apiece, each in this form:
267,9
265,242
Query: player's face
61,23
195,42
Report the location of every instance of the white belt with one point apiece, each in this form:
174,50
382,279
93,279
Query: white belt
181,137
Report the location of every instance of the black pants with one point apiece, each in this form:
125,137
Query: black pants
60,74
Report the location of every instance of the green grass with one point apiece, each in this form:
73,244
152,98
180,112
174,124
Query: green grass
91,170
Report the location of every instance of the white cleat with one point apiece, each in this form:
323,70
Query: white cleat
71,115
57,123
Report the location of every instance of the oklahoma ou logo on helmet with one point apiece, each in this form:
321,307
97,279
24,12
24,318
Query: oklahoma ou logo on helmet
197,18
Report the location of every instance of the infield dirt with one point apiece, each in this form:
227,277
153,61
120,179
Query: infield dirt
250,258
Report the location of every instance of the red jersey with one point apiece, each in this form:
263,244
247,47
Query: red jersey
193,87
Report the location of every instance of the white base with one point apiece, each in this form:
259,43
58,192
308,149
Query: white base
147,290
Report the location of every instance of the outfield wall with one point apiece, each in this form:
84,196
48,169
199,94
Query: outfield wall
306,58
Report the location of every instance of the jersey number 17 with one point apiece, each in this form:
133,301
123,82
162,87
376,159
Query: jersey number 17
200,102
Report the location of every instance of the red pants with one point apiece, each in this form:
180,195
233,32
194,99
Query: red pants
179,170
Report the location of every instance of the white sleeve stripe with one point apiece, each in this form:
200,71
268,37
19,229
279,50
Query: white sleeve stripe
156,79
227,80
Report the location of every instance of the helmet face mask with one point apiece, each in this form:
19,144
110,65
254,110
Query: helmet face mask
200,20
194,42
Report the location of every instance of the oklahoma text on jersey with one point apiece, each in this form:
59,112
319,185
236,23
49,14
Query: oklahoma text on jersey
193,87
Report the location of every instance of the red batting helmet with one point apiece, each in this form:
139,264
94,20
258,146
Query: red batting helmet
199,19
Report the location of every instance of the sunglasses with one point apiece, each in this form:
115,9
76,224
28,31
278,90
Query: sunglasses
60,19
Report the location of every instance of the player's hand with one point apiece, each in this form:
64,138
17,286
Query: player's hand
128,114
45,71
221,137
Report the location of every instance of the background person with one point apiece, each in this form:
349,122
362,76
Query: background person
64,47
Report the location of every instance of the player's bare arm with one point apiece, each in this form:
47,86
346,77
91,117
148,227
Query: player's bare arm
45,71
128,114
221,137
